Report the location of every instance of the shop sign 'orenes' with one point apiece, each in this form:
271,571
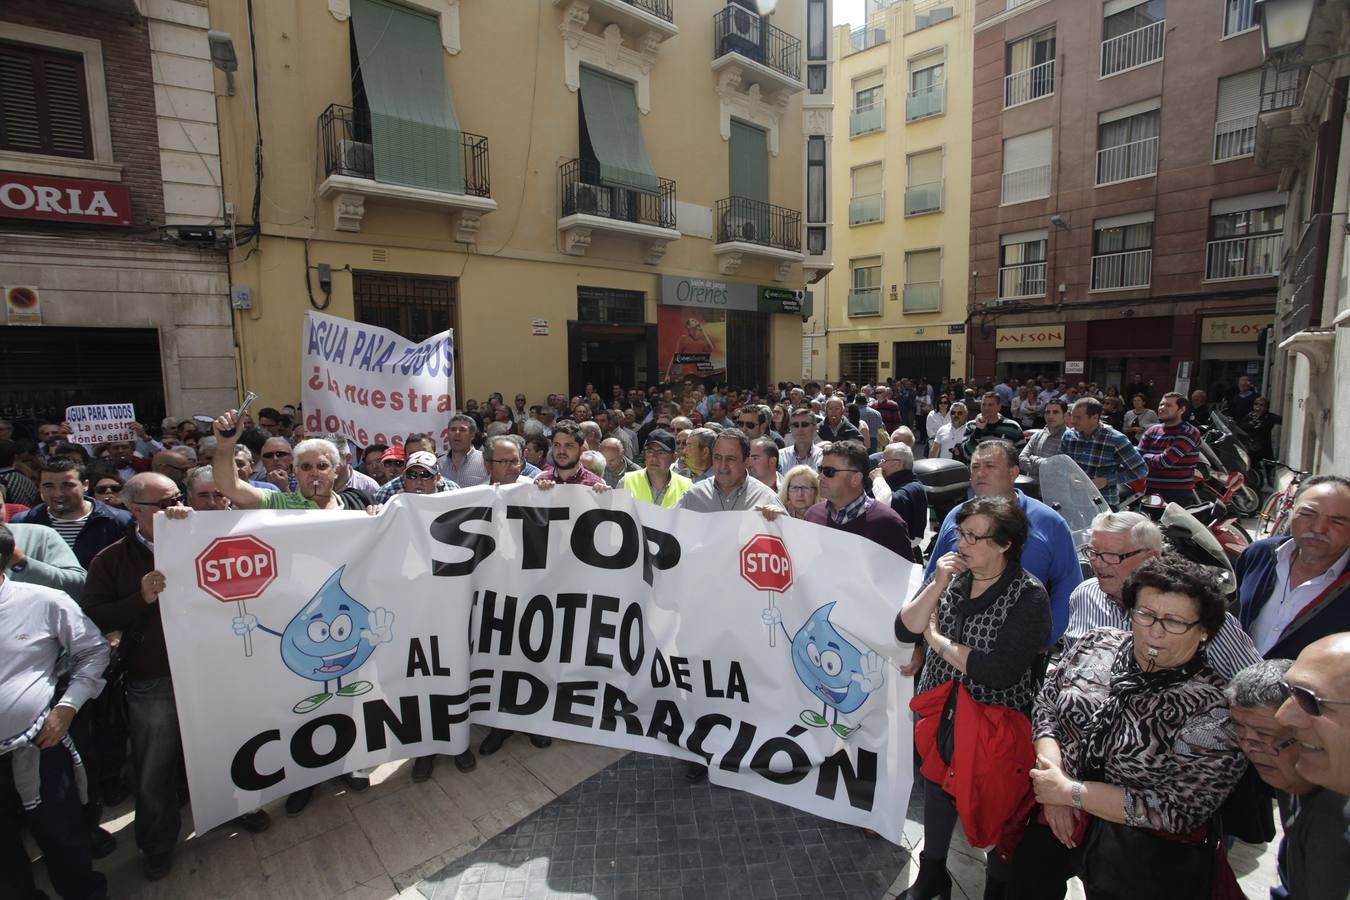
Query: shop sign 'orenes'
63,200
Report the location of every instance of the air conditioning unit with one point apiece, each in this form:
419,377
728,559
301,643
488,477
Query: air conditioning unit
1001,301
356,156
742,33
591,199
740,228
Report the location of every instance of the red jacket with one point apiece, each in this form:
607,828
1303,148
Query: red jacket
989,775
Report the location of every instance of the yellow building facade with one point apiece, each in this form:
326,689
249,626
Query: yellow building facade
565,184
900,175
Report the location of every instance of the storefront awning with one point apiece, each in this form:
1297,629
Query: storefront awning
609,106
414,131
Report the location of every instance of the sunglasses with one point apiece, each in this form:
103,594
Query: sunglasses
166,503
1309,702
108,489
803,424
831,471
417,475
276,454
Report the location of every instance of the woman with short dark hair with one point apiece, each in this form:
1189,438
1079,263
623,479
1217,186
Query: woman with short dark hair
984,620
1135,749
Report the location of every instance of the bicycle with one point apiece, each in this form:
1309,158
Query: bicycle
1274,519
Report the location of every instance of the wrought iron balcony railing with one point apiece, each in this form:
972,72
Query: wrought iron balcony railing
1135,159
1133,48
1029,84
347,149
1131,269
1020,281
757,222
738,30
1253,256
582,193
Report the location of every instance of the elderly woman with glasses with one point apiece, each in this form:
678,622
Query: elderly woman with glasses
1135,749
984,619
799,490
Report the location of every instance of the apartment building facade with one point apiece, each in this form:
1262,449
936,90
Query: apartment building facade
1119,223
114,278
567,185
896,300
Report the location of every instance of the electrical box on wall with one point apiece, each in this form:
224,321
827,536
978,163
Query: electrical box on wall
241,297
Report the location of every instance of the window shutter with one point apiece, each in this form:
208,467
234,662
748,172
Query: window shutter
926,167
1239,96
44,107
867,180
923,266
1026,151
749,152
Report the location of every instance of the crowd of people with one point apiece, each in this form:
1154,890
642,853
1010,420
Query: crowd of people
1120,710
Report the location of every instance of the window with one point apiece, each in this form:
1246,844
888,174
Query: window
413,306
864,295
923,281
817,78
1235,115
1240,16
817,30
1122,252
930,12
1031,68
815,241
54,105
927,88
1132,34
1127,142
816,195
1026,167
923,182
1021,265
43,105
1244,236
609,305
869,105
858,363
865,203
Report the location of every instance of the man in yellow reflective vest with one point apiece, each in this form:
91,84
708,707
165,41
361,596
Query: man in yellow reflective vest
657,483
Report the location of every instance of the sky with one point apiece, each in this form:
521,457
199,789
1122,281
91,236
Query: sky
848,12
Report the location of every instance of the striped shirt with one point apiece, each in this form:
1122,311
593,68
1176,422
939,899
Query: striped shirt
1171,453
69,529
1229,651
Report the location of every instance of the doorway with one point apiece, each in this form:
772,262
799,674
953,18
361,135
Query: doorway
605,354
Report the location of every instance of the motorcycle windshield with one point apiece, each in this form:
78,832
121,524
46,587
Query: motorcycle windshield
1229,425
1067,490
1192,540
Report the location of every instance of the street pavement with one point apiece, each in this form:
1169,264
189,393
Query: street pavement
385,842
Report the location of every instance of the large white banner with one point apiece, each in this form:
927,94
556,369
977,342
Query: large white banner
307,644
374,386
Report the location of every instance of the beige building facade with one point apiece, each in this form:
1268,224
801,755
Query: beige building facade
901,203
565,184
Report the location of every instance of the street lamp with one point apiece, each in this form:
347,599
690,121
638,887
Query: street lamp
1284,23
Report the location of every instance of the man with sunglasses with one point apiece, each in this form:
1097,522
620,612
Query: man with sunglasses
804,450
420,476
1318,711
846,506
277,458
1294,590
1118,544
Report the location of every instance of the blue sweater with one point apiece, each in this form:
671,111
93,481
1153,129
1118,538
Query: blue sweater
1049,554
1256,576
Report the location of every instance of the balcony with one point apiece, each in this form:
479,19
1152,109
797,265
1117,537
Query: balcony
865,38
864,301
1026,184
349,175
1029,84
866,209
925,13
923,198
1234,138
867,119
765,54
1133,48
1136,159
587,205
1256,256
747,227
635,17
1021,281
923,296
1120,271
926,101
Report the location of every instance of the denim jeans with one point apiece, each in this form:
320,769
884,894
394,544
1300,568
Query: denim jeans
157,754
57,825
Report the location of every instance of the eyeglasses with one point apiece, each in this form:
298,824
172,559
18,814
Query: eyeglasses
417,475
1111,559
1256,741
1309,702
166,503
801,489
803,424
276,453
970,537
752,423
1171,626
108,489
831,471
394,463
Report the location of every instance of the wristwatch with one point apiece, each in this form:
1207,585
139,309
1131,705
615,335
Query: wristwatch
19,566
1076,792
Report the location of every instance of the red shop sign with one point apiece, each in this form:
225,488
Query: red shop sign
63,200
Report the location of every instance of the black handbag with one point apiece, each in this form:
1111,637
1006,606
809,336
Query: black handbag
1122,861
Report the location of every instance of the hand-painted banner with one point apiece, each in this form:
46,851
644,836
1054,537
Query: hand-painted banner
374,386
586,617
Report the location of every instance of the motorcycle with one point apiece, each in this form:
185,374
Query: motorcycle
1226,448
1224,535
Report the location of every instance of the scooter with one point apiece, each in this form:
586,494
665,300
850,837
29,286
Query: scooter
1225,533
1225,449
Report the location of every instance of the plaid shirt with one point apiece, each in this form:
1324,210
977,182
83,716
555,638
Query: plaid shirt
841,517
1106,453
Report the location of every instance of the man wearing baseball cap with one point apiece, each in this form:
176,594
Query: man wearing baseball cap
420,476
657,483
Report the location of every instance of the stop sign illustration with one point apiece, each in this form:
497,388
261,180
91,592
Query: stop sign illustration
236,568
765,563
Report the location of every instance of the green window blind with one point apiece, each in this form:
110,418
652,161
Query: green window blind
749,162
413,127
609,106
